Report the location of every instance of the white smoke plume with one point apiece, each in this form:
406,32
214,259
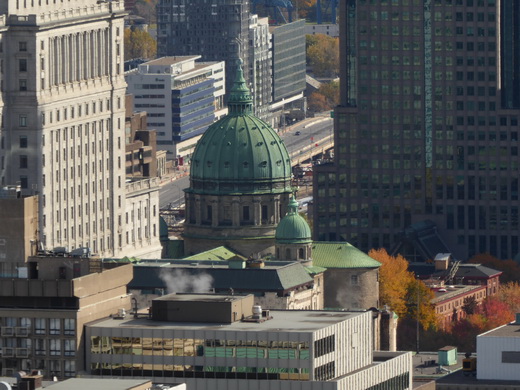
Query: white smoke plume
181,281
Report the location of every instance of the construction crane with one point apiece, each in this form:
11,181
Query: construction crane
333,4
276,5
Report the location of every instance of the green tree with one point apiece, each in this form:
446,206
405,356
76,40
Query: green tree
323,55
316,102
139,44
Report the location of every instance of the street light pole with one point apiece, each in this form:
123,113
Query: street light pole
417,318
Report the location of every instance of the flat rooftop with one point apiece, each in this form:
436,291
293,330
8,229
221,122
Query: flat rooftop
98,384
452,292
170,60
509,330
283,320
201,297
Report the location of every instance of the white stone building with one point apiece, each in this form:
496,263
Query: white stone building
182,97
62,134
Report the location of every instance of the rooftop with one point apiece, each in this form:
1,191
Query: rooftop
340,255
509,330
283,320
444,294
171,60
100,384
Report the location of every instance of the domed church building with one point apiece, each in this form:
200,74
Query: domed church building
240,182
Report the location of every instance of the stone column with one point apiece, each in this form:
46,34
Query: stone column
198,216
257,211
235,211
277,209
214,212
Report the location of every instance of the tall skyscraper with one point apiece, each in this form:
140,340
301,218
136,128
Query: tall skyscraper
426,133
62,133
219,30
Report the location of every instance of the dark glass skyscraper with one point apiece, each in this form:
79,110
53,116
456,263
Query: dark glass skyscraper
426,133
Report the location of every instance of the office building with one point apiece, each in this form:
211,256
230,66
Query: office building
289,68
224,341
219,31
182,97
42,315
18,230
62,134
426,129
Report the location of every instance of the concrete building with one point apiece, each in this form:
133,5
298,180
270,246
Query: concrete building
182,97
426,128
212,341
42,316
62,135
219,31
289,69
18,230
142,157
275,284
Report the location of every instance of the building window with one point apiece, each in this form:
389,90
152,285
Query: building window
22,84
39,326
23,141
24,182
70,368
354,280
245,213
55,347
301,253
39,347
69,347
23,161
22,120
22,65
55,326
69,326
22,46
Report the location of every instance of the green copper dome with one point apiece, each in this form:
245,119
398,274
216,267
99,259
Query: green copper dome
240,153
293,228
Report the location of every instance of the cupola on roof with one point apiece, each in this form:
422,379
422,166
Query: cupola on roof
240,153
293,228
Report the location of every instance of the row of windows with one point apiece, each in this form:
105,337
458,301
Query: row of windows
188,371
199,347
42,326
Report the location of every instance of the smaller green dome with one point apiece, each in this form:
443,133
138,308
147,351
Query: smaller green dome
293,228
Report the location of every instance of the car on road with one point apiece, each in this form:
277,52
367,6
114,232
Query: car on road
298,133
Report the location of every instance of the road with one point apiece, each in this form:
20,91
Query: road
317,128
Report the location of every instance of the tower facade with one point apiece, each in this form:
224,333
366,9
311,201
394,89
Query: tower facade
62,134
427,127
219,30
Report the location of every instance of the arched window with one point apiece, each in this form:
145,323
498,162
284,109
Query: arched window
301,253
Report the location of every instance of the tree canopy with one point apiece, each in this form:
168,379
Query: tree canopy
399,289
139,44
323,55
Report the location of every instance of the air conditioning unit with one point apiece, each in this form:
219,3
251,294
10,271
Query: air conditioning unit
7,331
22,352
22,331
7,352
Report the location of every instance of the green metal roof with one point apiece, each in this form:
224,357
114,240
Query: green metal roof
238,150
341,255
220,253
293,228
315,270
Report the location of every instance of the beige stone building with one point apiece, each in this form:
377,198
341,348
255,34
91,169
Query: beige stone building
42,316
18,230
62,101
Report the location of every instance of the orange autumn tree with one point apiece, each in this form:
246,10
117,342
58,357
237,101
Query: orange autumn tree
399,289
394,279
509,293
